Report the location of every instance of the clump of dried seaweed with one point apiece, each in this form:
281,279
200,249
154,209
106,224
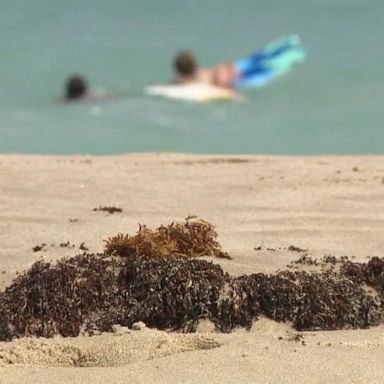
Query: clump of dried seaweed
306,260
110,210
193,238
171,293
371,273
332,301
311,301
293,248
90,293
58,299
155,277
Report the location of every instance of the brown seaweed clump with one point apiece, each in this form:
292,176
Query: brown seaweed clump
172,293
88,293
59,299
332,301
193,238
310,301
91,293
110,210
155,277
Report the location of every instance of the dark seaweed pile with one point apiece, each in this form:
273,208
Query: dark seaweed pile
91,293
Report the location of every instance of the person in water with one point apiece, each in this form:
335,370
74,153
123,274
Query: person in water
77,89
255,69
187,71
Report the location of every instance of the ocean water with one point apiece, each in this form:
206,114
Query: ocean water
331,104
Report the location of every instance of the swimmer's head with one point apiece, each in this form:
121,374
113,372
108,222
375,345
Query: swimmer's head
76,88
185,64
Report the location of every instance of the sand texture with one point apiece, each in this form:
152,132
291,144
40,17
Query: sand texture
260,206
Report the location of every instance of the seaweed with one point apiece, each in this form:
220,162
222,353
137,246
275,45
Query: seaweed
38,248
58,299
83,247
193,238
293,248
155,277
110,210
92,292
89,293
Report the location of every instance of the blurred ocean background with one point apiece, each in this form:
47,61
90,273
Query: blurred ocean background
331,104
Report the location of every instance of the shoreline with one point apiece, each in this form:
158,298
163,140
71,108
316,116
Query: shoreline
330,205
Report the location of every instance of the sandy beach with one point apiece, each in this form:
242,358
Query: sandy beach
260,205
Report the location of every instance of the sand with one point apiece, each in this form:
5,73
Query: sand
328,205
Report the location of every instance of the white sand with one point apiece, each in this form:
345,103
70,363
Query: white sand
329,205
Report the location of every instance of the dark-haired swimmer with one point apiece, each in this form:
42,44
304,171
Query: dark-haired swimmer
77,89
187,71
254,70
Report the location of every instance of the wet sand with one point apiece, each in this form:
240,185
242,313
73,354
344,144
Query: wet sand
327,205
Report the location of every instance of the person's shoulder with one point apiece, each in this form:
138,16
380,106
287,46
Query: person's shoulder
205,75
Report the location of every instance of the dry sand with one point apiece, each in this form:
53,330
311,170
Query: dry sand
328,205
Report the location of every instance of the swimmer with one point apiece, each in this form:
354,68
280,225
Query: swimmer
187,71
77,89
256,69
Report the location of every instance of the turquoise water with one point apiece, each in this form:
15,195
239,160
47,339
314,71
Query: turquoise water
330,104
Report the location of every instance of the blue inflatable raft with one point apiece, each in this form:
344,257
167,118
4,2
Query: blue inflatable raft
276,59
